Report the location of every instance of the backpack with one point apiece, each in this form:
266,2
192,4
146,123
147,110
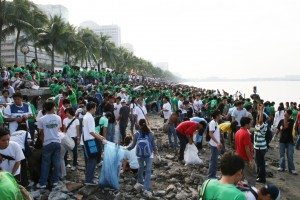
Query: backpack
143,147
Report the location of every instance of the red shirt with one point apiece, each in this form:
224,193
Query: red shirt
187,128
298,119
243,139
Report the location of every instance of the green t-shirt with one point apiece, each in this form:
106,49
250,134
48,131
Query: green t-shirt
174,103
34,113
218,191
9,187
103,122
1,118
294,114
73,99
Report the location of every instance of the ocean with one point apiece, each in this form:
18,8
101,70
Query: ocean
277,91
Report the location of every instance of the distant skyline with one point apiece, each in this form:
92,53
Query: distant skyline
199,38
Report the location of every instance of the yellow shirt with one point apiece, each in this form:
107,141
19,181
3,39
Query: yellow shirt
225,127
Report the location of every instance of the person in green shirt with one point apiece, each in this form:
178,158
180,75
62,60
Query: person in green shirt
232,167
174,102
72,97
9,187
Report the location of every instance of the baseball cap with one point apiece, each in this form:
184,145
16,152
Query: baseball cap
273,191
123,101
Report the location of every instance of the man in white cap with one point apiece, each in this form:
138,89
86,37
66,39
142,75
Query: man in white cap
122,94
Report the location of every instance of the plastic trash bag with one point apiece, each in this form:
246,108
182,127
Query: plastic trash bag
191,155
113,156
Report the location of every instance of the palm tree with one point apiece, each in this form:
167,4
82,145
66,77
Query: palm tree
108,51
6,10
38,20
20,20
52,37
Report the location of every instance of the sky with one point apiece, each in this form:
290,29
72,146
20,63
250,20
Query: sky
203,38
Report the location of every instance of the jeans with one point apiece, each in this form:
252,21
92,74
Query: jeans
32,128
287,148
172,136
260,163
110,132
298,138
213,163
63,151
122,126
132,122
50,154
90,167
183,140
74,151
145,167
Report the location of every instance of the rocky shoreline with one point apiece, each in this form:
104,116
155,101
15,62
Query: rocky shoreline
170,179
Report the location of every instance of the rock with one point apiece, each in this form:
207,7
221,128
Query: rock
170,157
128,188
92,197
71,186
160,193
79,197
171,196
170,188
173,180
35,194
88,190
57,195
181,195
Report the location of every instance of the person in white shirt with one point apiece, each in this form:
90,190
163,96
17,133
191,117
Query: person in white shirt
4,99
49,126
130,159
132,115
71,128
11,154
17,112
197,105
141,111
182,107
123,95
117,107
89,133
238,113
214,143
167,109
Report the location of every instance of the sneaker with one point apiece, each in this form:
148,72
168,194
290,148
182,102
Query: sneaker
294,172
38,186
73,168
68,166
55,184
259,180
138,186
280,169
147,194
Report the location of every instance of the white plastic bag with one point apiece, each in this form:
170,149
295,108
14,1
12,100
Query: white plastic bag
67,141
191,155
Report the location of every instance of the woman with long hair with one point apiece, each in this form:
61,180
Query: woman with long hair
145,147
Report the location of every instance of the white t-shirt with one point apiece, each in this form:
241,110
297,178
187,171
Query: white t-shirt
15,151
132,158
133,107
88,124
20,112
72,131
141,112
50,123
181,107
238,114
5,101
197,105
117,108
213,127
249,195
19,137
167,114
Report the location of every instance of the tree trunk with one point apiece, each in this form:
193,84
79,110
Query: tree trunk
52,59
35,55
68,59
81,64
86,62
16,47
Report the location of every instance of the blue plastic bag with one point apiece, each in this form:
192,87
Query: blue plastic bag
113,156
199,138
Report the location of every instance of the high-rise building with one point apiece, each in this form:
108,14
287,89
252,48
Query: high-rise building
52,10
113,31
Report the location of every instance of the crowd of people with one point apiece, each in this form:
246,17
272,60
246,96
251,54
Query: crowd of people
91,109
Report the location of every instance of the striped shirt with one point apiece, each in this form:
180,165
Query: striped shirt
260,136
